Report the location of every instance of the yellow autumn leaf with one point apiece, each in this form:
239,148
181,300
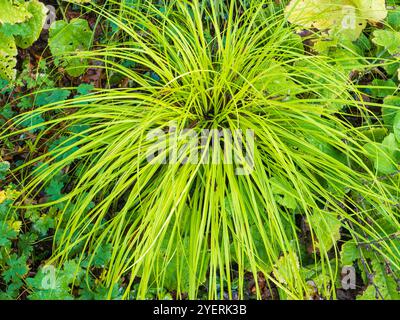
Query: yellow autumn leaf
314,13
371,10
3,196
16,226
348,16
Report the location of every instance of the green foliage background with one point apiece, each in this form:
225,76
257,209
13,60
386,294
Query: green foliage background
49,88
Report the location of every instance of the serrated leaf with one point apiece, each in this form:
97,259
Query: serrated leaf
44,98
6,234
102,256
387,286
285,267
44,224
16,268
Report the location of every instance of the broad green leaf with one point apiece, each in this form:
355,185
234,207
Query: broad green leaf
6,234
8,61
388,39
390,109
349,253
66,40
383,88
44,98
34,25
284,193
102,256
372,10
369,294
326,227
385,155
396,126
13,12
274,79
393,18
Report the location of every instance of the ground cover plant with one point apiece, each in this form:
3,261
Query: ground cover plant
102,198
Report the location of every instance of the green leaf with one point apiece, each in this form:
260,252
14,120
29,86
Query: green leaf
326,227
34,25
11,12
369,294
34,119
284,193
66,40
8,61
48,286
283,269
25,243
54,96
396,126
72,273
102,256
275,80
16,268
4,167
388,39
385,283
84,89
393,19
44,224
6,234
349,253
385,155
390,109
78,1
383,88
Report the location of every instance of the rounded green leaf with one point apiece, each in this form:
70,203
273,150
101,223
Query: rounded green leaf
66,41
